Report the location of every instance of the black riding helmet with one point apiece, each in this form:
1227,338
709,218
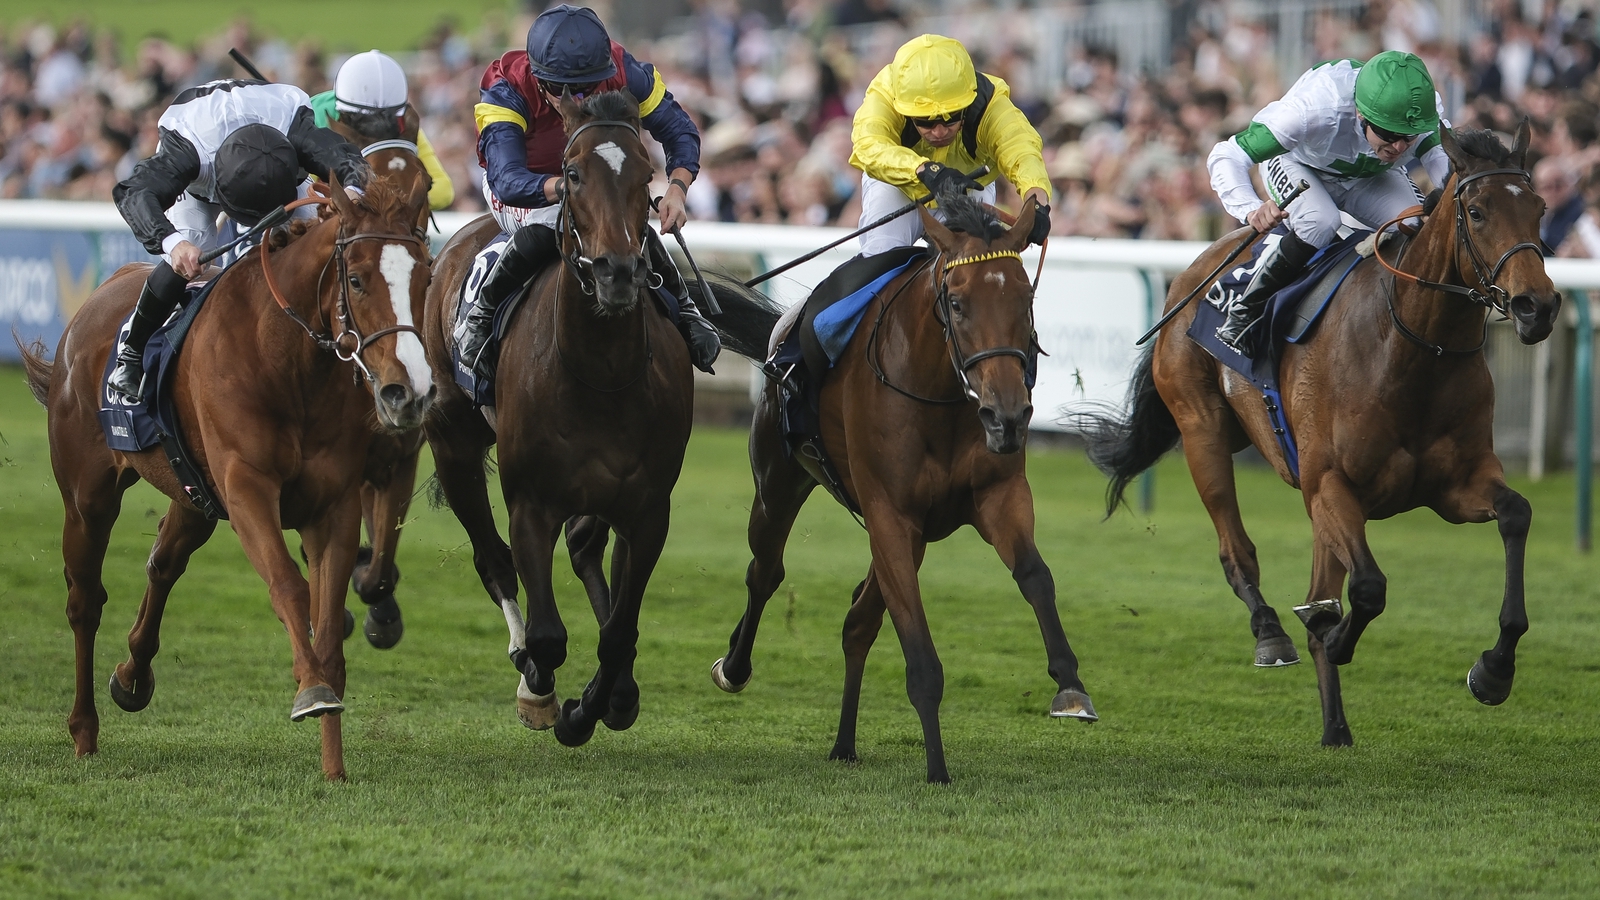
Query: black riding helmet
257,171
569,45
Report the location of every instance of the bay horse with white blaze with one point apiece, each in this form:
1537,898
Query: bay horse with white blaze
278,417
925,417
1391,404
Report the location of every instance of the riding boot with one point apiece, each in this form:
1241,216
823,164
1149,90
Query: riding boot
704,344
163,290
1279,267
531,247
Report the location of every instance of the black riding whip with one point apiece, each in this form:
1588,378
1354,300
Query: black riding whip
1251,238
975,174
712,306
268,221
245,64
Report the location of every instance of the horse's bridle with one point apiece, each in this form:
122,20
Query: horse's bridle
1492,297
576,260
348,344
960,362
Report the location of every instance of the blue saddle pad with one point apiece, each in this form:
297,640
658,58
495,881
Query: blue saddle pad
1290,318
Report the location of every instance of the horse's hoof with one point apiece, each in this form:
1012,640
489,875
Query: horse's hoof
844,754
621,720
1320,614
349,623
383,626
568,734
1277,651
136,699
317,700
722,682
1073,704
536,712
1490,689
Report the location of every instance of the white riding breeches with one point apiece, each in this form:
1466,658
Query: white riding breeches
879,199
1314,216
513,217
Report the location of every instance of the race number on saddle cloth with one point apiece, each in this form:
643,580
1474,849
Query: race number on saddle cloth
932,84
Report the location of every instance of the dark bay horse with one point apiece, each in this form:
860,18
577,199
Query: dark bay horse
1391,404
279,418
925,417
592,412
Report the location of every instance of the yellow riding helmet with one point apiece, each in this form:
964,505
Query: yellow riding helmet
932,76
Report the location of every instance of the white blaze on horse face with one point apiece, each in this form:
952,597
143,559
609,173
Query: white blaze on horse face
613,155
395,264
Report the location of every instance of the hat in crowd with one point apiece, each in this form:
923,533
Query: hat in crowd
369,82
1071,163
256,171
569,45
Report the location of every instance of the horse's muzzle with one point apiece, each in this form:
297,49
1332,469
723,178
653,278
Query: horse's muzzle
618,279
401,408
1533,316
1004,433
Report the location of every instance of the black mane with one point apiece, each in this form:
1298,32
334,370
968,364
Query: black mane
1483,144
616,106
965,214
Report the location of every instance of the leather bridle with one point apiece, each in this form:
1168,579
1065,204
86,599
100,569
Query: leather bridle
583,266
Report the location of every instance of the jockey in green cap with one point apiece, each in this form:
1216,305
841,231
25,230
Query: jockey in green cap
1349,130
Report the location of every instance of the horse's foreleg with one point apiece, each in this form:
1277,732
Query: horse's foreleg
861,626
1488,497
182,531
782,487
1211,465
376,573
92,504
586,546
896,546
458,456
1339,528
539,643
1320,614
1003,515
330,546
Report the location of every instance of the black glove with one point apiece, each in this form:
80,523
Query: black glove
945,178
704,345
1041,225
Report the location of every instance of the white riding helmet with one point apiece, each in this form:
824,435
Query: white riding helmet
369,82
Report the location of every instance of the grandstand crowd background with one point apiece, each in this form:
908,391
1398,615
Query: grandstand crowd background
1125,139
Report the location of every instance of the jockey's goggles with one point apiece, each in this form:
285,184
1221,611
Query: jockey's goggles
1387,136
950,119
578,91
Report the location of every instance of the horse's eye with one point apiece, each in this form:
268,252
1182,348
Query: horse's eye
355,282
572,176
955,305
1476,215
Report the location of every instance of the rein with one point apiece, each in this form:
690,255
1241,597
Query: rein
349,344
1496,297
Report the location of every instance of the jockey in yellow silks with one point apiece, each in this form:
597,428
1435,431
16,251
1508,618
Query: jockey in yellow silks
930,117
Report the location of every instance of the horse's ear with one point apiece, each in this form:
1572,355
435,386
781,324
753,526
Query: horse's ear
1519,145
943,238
1017,238
341,200
412,124
419,200
569,108
1453,151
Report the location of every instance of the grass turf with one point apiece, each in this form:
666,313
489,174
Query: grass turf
1203,778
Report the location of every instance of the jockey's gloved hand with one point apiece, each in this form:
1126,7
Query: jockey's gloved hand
1041,225
704,344
940,177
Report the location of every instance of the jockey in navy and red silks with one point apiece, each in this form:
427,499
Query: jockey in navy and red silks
520,142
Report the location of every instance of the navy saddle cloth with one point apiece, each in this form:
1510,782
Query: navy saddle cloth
1290,318
479,388
152,421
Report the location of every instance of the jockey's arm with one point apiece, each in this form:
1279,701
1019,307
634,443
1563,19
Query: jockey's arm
152,188
321,152
502,118
1431,153
443,191
671,126
1006,135
875,139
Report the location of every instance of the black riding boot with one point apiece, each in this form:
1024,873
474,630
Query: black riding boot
1280,266
704,344
530,249
163,290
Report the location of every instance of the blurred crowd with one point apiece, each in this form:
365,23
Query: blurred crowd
1125,147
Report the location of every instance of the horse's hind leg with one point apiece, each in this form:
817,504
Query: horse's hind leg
376,574
1211,464
182,531
586,546
1488,497
1003,515
92,501
782,487
861,626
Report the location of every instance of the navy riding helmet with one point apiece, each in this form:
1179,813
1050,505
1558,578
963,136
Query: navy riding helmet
569,45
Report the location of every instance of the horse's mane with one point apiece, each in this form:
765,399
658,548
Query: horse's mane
612,105
1483,144
963,213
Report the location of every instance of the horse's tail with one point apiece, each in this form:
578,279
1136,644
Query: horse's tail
37,367
748,316
1123,444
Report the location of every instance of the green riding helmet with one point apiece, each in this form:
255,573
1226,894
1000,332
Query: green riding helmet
1395,93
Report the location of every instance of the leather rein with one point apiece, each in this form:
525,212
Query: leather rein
348,344
1492,297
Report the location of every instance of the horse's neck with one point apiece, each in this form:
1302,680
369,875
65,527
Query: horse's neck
298,271
596,344
1442,318
926,369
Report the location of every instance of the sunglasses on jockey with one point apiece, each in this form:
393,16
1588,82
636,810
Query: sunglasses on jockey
1387,136
578,91
950,119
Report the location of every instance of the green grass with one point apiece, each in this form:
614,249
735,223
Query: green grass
1203,778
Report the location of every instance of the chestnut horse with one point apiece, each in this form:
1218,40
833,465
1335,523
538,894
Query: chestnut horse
592,412
1392,407
278,417
925,416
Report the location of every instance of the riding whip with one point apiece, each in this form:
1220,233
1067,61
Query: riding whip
712,307
975,174
246,65
268,221
1254,235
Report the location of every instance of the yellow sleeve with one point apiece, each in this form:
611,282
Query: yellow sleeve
658,90
1006,136
443,193
487,114
875,138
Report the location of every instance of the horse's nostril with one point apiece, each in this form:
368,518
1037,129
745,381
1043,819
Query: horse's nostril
394,395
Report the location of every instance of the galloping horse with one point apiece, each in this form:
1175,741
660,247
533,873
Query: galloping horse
592,413
278,417
1392,407
924,416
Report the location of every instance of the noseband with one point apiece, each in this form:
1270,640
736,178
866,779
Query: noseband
583,266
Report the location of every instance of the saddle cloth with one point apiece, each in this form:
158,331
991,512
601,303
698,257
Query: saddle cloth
1290,318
